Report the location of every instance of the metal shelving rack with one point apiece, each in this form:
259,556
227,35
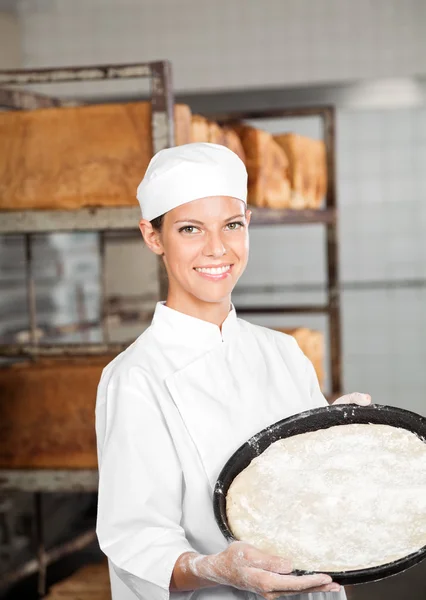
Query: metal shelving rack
326,216
29,222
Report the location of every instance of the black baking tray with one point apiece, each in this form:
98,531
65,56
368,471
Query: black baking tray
312,420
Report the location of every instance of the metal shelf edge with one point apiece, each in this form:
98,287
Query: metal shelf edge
297,309
85,219
49,480
127,217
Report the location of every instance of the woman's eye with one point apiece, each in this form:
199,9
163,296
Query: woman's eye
235,225
188,229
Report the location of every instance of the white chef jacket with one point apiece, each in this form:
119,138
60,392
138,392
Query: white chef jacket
170,410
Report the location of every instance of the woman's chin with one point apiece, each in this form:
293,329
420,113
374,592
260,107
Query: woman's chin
213,296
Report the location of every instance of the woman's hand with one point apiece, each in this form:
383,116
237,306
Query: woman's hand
354,398
244,567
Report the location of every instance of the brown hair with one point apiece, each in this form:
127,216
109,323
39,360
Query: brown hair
157,223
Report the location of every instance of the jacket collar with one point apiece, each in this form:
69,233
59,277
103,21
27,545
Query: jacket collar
190,331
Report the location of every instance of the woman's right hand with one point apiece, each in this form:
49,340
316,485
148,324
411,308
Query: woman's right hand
244,567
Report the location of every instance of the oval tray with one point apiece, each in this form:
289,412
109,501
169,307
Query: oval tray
312,420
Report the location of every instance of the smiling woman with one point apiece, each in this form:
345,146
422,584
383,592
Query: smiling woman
204,245
204,239
174,406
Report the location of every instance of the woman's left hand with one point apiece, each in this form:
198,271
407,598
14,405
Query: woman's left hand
354,398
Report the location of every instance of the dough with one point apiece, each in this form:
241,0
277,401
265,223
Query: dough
344,498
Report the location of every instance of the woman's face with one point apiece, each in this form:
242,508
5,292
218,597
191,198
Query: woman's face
205,247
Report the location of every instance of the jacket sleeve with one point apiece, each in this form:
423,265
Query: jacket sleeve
140,487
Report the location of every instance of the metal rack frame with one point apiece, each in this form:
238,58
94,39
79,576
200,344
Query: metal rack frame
327,217
39,481
108,219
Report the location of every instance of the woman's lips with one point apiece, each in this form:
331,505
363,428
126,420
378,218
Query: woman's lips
214,273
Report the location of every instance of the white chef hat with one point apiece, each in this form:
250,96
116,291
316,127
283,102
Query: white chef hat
184,173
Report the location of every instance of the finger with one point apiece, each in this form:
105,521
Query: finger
354,398
268,562
332,587
292,583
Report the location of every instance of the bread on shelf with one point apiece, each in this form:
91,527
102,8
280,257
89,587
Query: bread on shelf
307,169
203,130
233,142
69,158
47,413
267,164
215,133
199,129
90,582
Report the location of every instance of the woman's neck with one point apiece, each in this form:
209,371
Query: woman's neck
212,312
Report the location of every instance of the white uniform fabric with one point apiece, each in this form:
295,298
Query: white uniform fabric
192,171
170,411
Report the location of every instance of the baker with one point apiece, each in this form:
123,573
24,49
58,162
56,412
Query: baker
174,406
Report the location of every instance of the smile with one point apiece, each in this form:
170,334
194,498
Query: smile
213,270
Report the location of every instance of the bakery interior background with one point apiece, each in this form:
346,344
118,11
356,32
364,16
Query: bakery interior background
367,59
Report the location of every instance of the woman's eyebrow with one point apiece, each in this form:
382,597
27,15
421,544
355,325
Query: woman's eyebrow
239,216
190,221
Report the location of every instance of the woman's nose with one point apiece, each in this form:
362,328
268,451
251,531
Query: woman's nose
215,246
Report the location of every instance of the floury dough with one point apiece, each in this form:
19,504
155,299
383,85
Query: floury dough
344,498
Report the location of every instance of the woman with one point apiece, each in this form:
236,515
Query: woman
188,392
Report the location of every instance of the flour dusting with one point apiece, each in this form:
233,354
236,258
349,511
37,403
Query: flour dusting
348,497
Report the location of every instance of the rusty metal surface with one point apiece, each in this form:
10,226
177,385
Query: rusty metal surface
162,106
85,219
48,480
30,285
59,350
103,305
162,133
296,309
314,111
127,218
40,548
62,74
24,100
32,566
269,216
332,233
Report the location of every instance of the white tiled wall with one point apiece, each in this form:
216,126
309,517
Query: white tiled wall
10,40
231,44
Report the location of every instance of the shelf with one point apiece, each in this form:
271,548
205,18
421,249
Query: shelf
61,350
276,310
79,542
49,480
269,216
85,219
128,217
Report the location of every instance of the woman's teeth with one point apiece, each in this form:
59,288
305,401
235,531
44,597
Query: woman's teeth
213,271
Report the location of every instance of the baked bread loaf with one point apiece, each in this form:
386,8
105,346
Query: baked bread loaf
199,129
267,164
69,158
90,582
47,413
233,142
203,130
307,169
215,133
